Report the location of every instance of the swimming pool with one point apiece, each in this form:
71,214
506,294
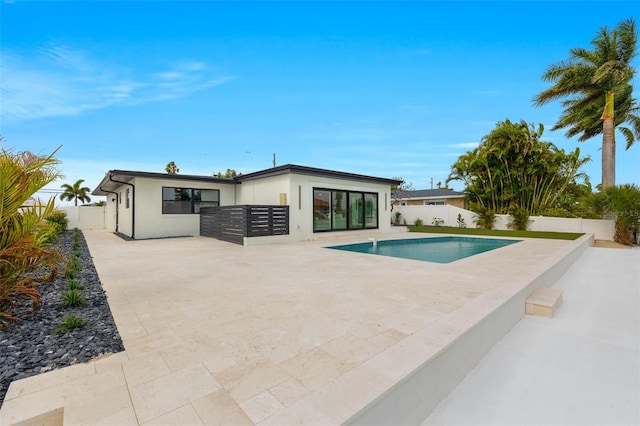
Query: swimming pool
437,249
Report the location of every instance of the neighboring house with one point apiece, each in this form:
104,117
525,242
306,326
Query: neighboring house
430,197
143,205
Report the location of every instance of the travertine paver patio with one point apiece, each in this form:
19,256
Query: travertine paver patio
217,333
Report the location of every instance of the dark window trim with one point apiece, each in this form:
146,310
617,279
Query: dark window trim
192,200
348,209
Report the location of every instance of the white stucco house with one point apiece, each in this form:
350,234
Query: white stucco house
142,205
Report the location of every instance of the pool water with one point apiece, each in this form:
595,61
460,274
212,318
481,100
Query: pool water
437,249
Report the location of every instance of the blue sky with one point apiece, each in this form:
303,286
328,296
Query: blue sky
389,89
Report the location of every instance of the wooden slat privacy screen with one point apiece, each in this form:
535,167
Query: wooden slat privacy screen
233,223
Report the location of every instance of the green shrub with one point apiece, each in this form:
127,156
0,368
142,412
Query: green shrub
75,262
418,222
58,220
46,236
486,218
396,218
70,323
73,299
71,273
74,285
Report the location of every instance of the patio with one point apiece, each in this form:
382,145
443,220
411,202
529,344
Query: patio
217,333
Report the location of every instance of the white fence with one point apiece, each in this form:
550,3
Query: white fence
85,217
602,229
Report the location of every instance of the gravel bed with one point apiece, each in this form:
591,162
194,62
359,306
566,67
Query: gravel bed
31,347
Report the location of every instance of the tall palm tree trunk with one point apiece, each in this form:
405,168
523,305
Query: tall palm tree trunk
608,143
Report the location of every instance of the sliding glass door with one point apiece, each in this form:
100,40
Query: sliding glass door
336,210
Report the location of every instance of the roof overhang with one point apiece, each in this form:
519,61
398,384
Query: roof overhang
312,171
113,179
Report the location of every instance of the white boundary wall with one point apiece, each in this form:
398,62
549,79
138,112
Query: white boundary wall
85,217
602,229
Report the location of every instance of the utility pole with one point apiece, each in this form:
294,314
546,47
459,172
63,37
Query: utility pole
274,159
431,183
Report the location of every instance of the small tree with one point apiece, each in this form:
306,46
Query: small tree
399,191
75,192
230,173
171,168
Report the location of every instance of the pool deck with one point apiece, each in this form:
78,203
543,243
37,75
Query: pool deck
580,368
217,333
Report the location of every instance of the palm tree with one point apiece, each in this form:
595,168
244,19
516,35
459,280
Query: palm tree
171,168
598,86
75,192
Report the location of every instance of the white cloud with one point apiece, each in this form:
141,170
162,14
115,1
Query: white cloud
466,145
60,81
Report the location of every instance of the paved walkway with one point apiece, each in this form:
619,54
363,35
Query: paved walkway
216,333
580,368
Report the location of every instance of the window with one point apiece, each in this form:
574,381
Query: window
188,200
321,210
370,210
127,197
205,198
434,203
335,210
339,209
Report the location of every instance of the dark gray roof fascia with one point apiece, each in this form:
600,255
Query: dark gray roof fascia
304,170
126,175
424,193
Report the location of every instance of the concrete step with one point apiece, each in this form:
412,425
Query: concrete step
543,302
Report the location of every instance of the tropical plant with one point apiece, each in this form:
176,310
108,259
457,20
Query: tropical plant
486,218
461,222
75,192
58,220
73,298
75,262
436,221
597,85
418,222
101,203
623,203
25,259
396,218
519,218
513,167
171,168
70,323
72,271
74,285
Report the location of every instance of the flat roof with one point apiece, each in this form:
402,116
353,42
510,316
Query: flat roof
304,170
114,178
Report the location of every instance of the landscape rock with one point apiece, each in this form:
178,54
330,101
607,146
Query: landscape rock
31,345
